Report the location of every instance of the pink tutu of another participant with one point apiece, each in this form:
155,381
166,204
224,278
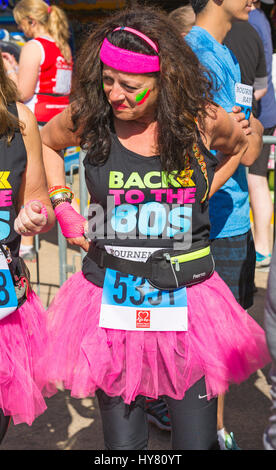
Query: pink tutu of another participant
22,343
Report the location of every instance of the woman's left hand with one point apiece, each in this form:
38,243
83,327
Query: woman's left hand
9,61
30,220
83,242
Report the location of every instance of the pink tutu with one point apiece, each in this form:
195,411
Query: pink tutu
223,343
22,343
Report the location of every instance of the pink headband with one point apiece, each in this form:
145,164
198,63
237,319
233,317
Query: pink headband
128,61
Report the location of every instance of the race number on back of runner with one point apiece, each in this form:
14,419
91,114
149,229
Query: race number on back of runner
244,96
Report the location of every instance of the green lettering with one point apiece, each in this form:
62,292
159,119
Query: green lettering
169,180
116,179
147,179
134,180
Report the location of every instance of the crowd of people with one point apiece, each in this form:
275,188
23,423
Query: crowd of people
155,325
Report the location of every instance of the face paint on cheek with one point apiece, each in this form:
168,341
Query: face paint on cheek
142,97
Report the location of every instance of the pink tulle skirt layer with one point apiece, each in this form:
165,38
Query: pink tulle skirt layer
22,343
223,343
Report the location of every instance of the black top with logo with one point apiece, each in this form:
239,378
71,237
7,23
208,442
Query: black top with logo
13,158
135,204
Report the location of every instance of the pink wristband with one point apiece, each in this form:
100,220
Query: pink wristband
71,223
43,209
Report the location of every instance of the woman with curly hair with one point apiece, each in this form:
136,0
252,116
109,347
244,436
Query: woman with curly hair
147,316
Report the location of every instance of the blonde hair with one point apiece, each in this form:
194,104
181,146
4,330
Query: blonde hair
52,18
184,18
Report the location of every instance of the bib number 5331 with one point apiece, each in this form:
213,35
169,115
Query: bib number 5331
131,303
143,291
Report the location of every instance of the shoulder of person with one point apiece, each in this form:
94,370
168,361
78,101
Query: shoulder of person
26,116
32,44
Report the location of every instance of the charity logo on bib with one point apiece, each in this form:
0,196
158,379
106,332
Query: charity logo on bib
244,97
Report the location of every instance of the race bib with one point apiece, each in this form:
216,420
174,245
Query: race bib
131,303
244,96
8,299
63,81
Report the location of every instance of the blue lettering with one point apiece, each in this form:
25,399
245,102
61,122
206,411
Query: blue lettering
4,226
152,219
124,218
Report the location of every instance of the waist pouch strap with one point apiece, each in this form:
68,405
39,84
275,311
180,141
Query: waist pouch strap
165,269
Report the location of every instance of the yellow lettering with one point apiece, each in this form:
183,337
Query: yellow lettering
185,178
4,184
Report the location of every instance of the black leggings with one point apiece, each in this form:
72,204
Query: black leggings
4,424
193,419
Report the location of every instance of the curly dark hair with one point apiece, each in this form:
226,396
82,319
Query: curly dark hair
184,87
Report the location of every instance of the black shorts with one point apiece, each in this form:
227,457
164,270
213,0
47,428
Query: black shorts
235,259
259,167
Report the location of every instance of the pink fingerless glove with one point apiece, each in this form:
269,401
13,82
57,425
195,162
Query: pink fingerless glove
71,223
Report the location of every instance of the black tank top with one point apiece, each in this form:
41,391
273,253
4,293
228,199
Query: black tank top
135,205
13,160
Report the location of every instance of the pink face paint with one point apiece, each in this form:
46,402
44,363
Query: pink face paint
142,97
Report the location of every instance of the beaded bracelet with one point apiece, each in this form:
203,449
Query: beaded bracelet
61,200
61,195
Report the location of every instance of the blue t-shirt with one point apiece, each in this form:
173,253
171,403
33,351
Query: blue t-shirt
229,206
267,105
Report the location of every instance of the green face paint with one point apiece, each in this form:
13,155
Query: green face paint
141,97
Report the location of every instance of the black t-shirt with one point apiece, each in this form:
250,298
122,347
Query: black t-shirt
246,44
13,158
134,204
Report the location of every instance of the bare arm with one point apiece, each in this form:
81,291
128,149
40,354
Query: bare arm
260,85
56,136
255,142
224,134
26,76
33,186
260,93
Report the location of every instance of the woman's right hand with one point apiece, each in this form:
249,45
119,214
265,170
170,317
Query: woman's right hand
31,220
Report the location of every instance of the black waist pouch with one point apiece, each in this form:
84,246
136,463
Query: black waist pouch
172,269
165,269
